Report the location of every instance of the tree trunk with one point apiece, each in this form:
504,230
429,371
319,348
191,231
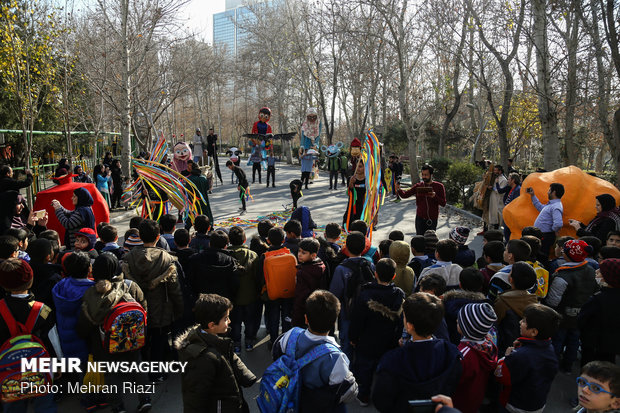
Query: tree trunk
126,93
572,42
616,152
546,107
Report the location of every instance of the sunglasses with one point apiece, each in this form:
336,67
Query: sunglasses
594,387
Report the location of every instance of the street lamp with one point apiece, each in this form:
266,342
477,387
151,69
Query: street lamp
480,131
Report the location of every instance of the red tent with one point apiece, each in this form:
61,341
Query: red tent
63,194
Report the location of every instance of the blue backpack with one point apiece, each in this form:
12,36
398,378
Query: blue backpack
281,382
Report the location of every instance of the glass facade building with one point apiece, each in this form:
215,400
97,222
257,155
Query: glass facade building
226,30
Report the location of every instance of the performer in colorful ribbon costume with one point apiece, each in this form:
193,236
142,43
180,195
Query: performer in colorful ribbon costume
311,130
155,184
366,190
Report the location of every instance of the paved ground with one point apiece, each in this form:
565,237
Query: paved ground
326,206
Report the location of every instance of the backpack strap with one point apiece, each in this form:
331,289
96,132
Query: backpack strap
315,353
16,327
291,344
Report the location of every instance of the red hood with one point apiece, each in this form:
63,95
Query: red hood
367,246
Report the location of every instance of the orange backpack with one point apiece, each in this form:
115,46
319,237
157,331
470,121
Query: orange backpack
280,269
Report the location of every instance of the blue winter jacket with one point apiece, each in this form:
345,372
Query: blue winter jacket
68,295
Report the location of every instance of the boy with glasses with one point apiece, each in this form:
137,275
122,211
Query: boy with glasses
598,387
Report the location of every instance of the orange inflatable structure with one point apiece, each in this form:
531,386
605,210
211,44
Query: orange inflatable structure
578,200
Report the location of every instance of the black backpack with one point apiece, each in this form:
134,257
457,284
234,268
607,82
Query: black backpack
362,274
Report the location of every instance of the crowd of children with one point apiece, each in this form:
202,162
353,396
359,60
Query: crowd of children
413,320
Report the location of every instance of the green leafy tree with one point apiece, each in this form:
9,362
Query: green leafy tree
461,176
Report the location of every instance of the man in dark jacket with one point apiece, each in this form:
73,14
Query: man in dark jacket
376,324
214,271
7,182
214,375
157,274
423,366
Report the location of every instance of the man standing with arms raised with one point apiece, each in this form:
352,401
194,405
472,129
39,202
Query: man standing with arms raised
430,195
549,219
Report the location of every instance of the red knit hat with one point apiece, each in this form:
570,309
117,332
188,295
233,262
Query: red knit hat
610,270
577,250
15,275
356,143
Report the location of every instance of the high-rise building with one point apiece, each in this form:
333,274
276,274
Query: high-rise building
226,26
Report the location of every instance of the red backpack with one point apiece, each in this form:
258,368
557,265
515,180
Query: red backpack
22,344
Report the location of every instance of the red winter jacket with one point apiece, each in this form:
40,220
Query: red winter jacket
479,361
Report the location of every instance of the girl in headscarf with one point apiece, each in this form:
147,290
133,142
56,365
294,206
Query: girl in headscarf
81,217
311,130
15,214
607,219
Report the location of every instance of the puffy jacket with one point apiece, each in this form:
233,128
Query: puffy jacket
571,288
376,319
214,374
155,271
68,294
213,271
479,360
248,292
310,276
404,278
453,301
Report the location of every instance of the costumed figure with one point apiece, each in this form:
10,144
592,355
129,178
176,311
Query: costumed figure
355,150
201,183
64,192
496,200
332,153
156,184
257,154
235,158
366,191
311,130
182,154
482,194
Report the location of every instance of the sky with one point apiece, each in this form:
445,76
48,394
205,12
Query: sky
200,16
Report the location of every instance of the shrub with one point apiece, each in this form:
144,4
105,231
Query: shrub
441,167
461,176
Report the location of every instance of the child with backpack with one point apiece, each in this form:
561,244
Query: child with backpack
276,270
348,279
311,275
516,250
293,235
542,275
214,374
21,314
106,305
321,375
376,324
493,256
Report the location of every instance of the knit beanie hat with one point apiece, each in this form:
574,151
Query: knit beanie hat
577,250
15,275
610,270
459,235
430,241
475,320
132,241
90,235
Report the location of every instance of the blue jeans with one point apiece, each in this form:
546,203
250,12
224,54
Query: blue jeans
276,311
250,316
343,335
566,341
43,404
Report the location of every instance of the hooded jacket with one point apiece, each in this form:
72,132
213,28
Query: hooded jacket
453,301
404,278
509,307
248,292
214,271
155,271
479,360
214,374
68,294
450,273
417,370
465,257
376,319
98,302
310,277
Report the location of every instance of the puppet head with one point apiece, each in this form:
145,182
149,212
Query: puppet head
182,151
355,147
332,151
264,114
